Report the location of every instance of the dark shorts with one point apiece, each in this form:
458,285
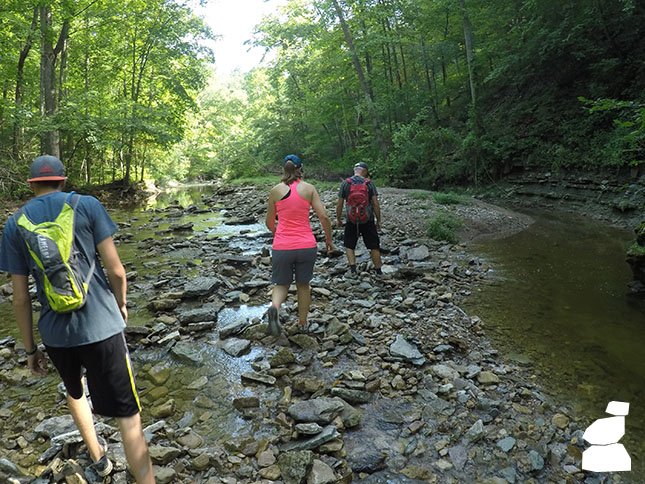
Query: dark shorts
286,263
109,375
367,231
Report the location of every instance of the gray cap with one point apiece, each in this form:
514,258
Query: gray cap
45,168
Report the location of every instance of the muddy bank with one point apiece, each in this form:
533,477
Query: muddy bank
391,382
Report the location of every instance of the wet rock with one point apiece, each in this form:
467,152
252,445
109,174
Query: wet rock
159,374
409,352
271,473
246,402
308,428
187,353
191,440
328,433
304,341
164,410
308,384
419,473
201,286
320,410
364,456
295,466
55,426
352,396
235,346
388,477
284,356
163,455
254,377
444,371
476,432
206,312
418,253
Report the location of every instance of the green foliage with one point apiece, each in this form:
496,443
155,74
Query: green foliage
450,198
420,195
443,226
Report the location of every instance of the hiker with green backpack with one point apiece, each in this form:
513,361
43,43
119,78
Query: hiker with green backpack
57,238
363,216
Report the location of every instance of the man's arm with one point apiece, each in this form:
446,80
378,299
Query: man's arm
321,211
339,211
22,310
377,211
115,273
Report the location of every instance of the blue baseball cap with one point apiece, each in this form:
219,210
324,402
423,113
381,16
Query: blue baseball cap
45,168
293,159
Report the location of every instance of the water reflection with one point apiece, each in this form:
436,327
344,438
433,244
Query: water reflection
560,298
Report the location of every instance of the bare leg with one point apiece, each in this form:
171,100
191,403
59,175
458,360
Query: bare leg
304,300
375,254
82,415
351,256
279,295
136,449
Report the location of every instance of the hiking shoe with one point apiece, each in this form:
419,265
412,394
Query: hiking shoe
103,466
274,321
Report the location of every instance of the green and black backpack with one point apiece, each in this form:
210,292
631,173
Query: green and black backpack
59,262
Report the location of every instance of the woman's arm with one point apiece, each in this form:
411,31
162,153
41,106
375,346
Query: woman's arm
321,211
270,218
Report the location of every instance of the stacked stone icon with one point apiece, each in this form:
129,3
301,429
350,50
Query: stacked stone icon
605,453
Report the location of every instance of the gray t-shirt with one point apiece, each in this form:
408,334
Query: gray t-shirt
345,187
100,317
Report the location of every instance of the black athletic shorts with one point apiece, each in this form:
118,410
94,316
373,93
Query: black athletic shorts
109,375
367,231
286,263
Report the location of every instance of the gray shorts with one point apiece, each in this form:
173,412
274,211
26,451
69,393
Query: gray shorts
286,263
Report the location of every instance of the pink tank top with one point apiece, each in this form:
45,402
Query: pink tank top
293,230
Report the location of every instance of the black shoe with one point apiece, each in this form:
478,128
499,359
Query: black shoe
274,321
103,466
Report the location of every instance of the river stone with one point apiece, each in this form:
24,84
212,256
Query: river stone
352,396
294,466
163,455
201,462
187,353
159,374
266,458
335,327
198,327
418,253
258,378
320,410
321,473
458,456
537,461
560,420
246,402
284,356
191,440
207,312
388,477
328,433
200,286
163,475
509,474
270,473
476,432
304,341
233,327
506,444
487,378
444,372
308,384
311,428
56,426
364,456
235,346
166,409
420,473
173,335
199,383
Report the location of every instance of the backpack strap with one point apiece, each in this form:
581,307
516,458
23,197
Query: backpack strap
72,200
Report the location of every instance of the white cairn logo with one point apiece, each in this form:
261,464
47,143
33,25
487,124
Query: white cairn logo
605,453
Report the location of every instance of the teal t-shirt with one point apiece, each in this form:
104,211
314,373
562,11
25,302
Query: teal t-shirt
100,317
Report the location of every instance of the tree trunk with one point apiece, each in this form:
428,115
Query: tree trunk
361,80
50,140
468,37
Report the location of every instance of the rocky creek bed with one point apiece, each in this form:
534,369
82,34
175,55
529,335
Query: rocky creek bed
392,382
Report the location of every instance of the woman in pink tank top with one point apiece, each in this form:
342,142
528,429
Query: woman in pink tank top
294,245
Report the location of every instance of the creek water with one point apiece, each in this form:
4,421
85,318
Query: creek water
558,300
